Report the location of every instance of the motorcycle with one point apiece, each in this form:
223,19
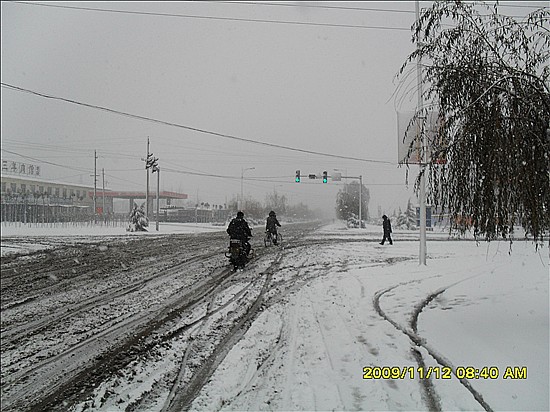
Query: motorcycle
237,254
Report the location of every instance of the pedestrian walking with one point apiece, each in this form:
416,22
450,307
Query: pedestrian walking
386,225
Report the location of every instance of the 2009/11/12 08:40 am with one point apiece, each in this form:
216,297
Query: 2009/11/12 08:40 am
445,372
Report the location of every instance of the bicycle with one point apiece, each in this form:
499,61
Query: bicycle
268,239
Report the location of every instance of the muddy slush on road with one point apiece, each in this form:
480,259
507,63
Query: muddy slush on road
82,313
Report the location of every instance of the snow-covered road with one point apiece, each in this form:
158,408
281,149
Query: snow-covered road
332,320
369,305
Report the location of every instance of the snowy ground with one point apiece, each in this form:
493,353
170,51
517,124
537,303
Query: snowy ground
491,310
365,322
83,232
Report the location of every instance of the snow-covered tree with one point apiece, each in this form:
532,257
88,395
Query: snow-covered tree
410,214
487,76
401,220
406,219
276,202
347,201
138,220
299,211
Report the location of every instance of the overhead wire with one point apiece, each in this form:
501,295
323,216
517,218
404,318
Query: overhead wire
124,180
327,7
86,171
195,129
235,19
311,6
193,16
46,162
115,155
205,131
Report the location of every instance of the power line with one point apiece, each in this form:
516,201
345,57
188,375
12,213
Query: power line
266,179
86,171
70,152
44,161
167,169
314,6
523,6
192,16
194,129
123,180
324,6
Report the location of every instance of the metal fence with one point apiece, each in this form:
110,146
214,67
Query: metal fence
23,212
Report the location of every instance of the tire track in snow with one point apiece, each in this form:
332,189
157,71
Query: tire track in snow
113,342
210,311
53,388
419,341
184,396
289,369
12,335
327,351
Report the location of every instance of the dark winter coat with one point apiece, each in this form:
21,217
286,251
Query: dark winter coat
271,224
238,229
386,225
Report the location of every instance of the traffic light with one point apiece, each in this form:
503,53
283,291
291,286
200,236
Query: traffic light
151,161
297,176
325,177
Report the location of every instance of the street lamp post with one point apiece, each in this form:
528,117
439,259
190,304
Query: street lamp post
242,179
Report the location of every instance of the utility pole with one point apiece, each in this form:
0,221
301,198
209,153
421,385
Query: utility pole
360,200
422,254
103,172
95,184
157,169
150,162
147,190
197,208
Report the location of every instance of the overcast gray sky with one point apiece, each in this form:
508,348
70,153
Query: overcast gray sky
309,76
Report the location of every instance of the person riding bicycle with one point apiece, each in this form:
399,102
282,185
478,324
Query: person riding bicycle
271,225
238,229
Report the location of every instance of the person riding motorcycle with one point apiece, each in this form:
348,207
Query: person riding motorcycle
238,229
271,225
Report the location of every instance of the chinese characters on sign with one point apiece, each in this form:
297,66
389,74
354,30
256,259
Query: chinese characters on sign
20,168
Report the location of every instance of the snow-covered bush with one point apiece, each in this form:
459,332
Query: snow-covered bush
138,220
353,222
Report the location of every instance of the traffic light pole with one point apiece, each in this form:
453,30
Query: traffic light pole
360,177
325,178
